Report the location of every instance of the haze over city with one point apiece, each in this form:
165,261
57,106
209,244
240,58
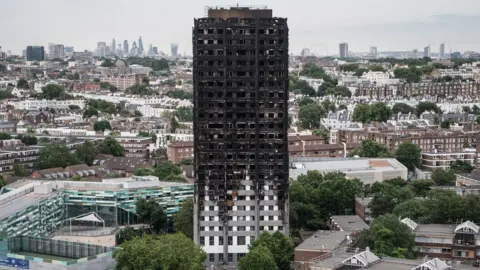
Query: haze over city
409,24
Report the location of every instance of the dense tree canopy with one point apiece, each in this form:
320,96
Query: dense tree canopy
102,106
54,91
110,146
387,195
314,197
28,139
427,106
102,125
444,177
184,114
180,94
310,115
259,258
302,87
409,154
139,89
23,84
183,220
366,113
371,149
155,64
163,252
56,155
151,212
5,136
280,246
460,166
402,108
389,237
87,152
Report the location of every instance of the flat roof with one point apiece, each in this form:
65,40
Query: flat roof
21,202
323,241
437,229
349,223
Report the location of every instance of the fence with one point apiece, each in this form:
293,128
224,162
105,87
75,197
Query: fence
52,247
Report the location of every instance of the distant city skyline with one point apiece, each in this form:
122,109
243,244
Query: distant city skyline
390,26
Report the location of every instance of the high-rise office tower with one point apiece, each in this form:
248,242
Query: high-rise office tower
155,50
240,129
140,45
426,51
373,51
35,53
442,50
125,47
101,49
343,50
58,52
113,46
174,49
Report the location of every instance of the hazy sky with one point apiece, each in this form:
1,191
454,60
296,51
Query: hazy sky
387,24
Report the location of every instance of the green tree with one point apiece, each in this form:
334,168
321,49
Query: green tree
370,149
107,63
446,124
76,178
386,235
387,197
28,139
139,89
186,161
165,169
74,107
444,177
151,213
87,152
54,156
162,252
128,234
362,113
460,166
315,197
23,84
259,258
180,94
409,155
142,172
310,115
380,112
102,125
184,114
305,101
76,76
183,220
19,170
323,133
414,209
421,186
302,87
54,91
5,136
350,67
145,81
402,108
427,106
280,246
110,146
90,112
376,68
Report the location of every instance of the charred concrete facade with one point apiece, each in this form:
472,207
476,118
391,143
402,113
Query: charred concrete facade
240,129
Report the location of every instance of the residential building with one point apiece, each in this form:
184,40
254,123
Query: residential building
367,170
139,69
124,166
122,83
178,151
174,49
35,53
442,51
314,83
426,51
343,50
136,147
362,208
240,97
457,242
35,104
432,161
18,155
39,117
337,120
379,78
58,52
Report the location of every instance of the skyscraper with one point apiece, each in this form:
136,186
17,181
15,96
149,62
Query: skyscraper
343,50
240,129
426,51
174,49
58,52
113,46
373,51
35,53
140,45
125,47
442,50
101,49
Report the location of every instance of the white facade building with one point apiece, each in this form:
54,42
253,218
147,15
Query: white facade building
314,83
337,120
34,104
380,78
139,69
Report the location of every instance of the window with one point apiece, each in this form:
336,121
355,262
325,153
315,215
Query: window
220,257
202,240
211,241
230,257
211,257
220,240
230,240
241,240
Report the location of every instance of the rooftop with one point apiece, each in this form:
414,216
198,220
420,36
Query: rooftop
323,241
349,223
